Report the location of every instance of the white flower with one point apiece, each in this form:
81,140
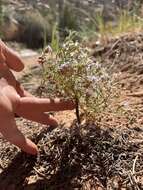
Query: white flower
93,79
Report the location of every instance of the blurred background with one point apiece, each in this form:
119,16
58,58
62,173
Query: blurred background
35,23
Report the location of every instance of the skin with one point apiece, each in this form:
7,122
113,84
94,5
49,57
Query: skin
15,100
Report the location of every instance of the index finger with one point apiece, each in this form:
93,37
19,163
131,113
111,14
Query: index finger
12,59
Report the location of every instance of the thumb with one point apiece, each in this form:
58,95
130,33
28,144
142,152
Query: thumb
14,136
22,142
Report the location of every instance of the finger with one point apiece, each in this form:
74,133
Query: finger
12,58
11,133
33,104
2,57
3,66
21,91
42,118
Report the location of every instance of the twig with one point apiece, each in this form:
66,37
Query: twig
133,181
40,174
1,165
114,45
138,173
132,175
134,165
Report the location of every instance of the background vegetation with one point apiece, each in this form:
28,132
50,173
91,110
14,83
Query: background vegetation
36,21
1,16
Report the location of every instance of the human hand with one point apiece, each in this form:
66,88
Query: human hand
10,92
14,99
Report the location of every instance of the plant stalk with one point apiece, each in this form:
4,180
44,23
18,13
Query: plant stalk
77,111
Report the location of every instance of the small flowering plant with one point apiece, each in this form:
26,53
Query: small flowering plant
73,74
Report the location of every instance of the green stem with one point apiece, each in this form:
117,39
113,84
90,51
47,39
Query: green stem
77,111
